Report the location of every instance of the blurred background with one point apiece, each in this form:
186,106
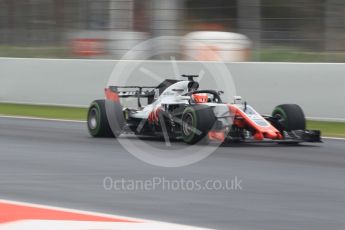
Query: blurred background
236,30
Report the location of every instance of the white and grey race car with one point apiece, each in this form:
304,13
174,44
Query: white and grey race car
178,109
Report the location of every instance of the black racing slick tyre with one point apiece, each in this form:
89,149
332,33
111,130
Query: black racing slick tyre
290,117
101,125
197,121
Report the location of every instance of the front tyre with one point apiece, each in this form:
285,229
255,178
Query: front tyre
97,121
289,117
197,121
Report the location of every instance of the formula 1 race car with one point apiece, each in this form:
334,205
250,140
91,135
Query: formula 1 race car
177,109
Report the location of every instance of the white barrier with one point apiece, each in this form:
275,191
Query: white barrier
318,88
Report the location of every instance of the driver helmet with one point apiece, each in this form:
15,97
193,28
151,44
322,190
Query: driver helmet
200,97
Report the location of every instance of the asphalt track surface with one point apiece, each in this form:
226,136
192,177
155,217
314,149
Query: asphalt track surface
283,187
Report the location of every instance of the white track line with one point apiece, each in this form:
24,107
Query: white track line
334,138
40,118
78,121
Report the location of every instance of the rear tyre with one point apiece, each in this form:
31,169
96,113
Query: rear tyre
289,117
97,121
197,121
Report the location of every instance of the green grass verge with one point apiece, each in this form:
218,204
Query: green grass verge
35,52
332,129
58,112
281,54
265,54
329,129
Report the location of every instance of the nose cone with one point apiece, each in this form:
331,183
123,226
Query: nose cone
272,135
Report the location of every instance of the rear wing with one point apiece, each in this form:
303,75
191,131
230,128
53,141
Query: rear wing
116,92
150,92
